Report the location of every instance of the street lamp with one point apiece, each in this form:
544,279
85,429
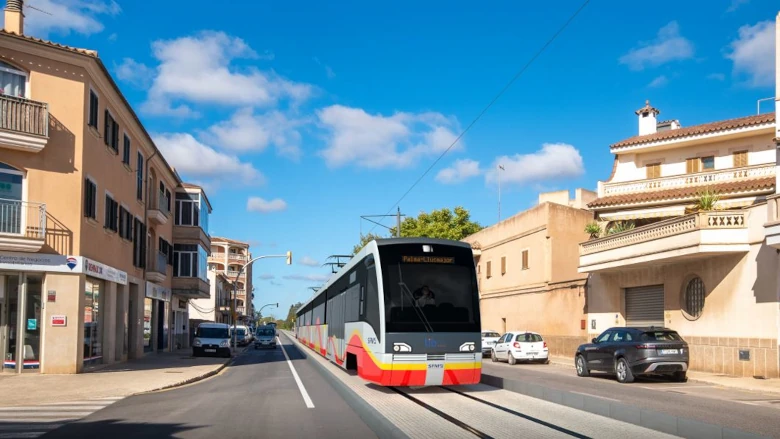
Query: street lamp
269,304
235,286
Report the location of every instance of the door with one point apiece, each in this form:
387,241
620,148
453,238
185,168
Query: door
618,341
501,346
597,357
645,306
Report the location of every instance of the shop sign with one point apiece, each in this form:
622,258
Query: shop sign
59,320
158,292
102,271
51,296
32,324
39,262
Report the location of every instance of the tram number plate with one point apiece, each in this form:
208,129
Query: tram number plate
436,366
372,340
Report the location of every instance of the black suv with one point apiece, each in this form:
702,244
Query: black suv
630,352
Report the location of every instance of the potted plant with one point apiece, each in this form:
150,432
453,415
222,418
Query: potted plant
621,226
593,229
706,201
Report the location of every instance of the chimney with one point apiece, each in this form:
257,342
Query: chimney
647,119
14,17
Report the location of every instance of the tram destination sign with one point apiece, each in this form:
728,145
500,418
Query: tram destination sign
427,260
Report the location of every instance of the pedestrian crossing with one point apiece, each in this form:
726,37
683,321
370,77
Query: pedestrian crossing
27,422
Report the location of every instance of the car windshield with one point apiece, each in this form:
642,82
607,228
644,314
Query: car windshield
661,336
429,292
528,338
211,332
490,334
265,331
240,331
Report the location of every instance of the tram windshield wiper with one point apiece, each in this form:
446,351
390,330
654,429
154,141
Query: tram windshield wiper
420,313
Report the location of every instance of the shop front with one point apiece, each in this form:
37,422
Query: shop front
181,320
157,308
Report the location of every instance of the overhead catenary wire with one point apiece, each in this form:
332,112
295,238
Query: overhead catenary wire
489,105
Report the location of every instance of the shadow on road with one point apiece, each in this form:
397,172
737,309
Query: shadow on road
115,429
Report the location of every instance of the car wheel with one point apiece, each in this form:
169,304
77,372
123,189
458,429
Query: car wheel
512,359
679,377
582,368
493,356
623,371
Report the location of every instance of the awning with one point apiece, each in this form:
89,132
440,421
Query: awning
659,212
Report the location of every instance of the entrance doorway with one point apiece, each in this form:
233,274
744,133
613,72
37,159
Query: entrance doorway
20,322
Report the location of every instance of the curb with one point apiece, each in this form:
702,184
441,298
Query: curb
619,411
370,415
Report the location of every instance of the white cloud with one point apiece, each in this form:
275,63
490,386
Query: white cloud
198,69
659,81
308,277
555,161
735,4
376,141
132,72
460,171
753,54
668,46
204,164
717,76
309,262
257,204
65,16
267,276
247,131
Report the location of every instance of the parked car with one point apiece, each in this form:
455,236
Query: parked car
265,337
520,346
633,352
211,338
242,335
489,338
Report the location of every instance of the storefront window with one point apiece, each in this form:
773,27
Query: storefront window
32,320
93,346
148,324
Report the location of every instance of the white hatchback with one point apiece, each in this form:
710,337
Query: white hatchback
489,338
520,346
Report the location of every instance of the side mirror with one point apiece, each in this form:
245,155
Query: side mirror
595,341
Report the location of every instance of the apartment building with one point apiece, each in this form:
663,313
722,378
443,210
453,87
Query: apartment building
527,271
91,268
217,307
227,257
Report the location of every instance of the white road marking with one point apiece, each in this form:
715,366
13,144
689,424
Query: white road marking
674,387
596,396
302,389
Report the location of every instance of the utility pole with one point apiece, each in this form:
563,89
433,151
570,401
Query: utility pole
398,223
397,216
500,168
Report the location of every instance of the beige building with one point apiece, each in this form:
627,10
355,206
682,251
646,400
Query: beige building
668,259
90,259
527,271
215,308
226,258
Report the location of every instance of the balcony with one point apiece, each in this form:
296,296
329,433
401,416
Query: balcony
772,226
217,257
191,287
159,212
686,180
696,236
22,225
24,124
235,257
157,271
241,310
231,275
191,235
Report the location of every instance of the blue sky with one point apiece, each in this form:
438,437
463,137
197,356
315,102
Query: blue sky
300,117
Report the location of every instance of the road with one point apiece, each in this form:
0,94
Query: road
742,410
257,396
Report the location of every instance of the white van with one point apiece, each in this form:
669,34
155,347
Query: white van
211,339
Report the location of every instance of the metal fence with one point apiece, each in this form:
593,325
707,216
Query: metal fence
23,218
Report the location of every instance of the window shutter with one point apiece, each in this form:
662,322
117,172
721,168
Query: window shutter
105,127
488,269
740,159
503,264
692,165
525,259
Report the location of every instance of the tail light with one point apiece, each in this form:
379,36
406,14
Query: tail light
545,345
516,345
645,346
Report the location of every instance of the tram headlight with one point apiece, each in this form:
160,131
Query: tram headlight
401,347
468,347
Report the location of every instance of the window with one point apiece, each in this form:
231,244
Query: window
525,259
139,183
605,336
167,249
693,298
707,163
12,80
125,224
489,274
660,336
90,199
692,165
503,265
621,336
93,109
189,260
740,159
653,170
187,209
111,132
126,151
139,243
168,200
111,219
529,338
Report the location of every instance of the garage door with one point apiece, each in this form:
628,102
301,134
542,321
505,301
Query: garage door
645,306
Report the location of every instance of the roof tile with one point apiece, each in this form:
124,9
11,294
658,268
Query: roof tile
87,52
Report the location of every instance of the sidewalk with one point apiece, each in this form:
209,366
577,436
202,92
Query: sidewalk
152,372
751,384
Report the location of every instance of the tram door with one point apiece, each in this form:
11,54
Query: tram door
335,319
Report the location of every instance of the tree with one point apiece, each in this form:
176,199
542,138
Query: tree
288,323
442,223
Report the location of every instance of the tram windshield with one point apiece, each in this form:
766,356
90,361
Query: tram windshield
429,291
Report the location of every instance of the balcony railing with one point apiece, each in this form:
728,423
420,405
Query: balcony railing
241,309
23,218
159,264
162,204
663,229
24,116
231,274
687,180
236,257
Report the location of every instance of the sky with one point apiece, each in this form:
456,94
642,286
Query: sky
299,117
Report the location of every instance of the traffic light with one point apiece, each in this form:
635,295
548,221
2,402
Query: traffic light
289,258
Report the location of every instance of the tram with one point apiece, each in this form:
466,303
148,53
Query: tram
402,312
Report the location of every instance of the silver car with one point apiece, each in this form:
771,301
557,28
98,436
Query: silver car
265,337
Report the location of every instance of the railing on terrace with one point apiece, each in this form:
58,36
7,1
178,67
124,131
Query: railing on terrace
241,309
236,257
160,263
24,116
666,228
23,218
686,180
231,274
162,204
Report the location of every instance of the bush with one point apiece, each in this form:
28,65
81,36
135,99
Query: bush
593,229
620,226
706,201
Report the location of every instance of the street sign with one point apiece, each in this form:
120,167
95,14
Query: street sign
59,320
51,296
32,324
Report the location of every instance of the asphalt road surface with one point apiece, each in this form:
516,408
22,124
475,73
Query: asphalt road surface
258,396
752,412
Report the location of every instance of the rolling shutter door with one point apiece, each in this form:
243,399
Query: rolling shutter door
645,306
